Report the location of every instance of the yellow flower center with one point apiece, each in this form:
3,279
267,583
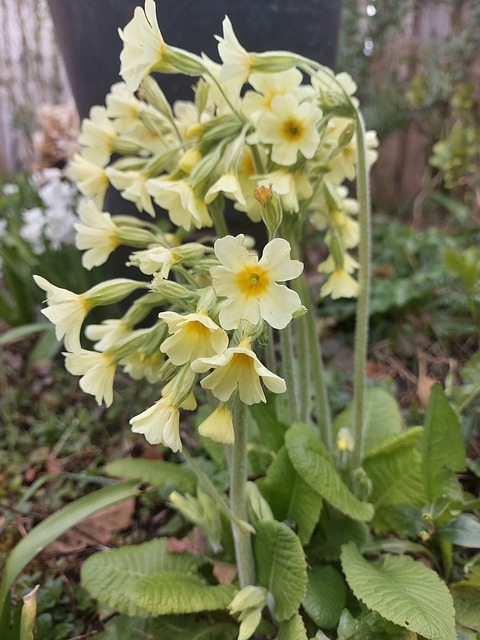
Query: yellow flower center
293,129
198,329
253,280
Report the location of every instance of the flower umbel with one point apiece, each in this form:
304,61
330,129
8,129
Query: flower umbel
250,285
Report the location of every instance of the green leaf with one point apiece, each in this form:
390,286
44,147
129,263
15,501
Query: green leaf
54,526
326,596
395,470
24,331
334,530
172,592
382,418
167,475
314,464
271,430
467,607
111,576
292,629
185,627
281,566
403,591
290,497
464,531
442,446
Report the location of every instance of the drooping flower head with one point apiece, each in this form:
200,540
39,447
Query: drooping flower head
250,285
238,368
160,423
193,336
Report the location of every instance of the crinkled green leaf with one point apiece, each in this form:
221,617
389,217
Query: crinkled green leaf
326,596
442,446
382,417
290,497
292,629
169,592
167,475
281,566
403,591
314,464
467,607
111,576
395,470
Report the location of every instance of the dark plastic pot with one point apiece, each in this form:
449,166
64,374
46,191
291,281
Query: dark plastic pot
88,38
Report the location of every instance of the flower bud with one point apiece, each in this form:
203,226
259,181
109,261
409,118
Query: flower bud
112,291
155,96
189,160
249,597
258,507
271,211
171,290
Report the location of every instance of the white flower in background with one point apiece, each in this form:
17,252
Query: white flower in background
290,128
155,260
10,189
237,62
97,234
59,226
3,228
97,371
32,229
193,336
91,179
238,368
250,285
97,136
143,47
269,85
218,426
132,185
160,424
66,310
178,198
57,193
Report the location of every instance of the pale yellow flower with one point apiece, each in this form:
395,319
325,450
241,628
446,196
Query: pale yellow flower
218,426
141,365
108,333
184,207
143,46
160,424
97,371
340,284
290,128
97,136
237,62
97,234
91,179
290,186
123,107
229,185
249,284
343,164
269,85
155,260
133,187
195,335
66,310
238,368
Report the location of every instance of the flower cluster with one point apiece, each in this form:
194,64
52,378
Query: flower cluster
256,135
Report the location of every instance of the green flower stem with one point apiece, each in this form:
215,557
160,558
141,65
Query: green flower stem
289,371
215,493
303,368
270,351
238,497
361,329
219,222
314,355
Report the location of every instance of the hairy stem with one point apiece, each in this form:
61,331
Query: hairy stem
361,329
238,498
